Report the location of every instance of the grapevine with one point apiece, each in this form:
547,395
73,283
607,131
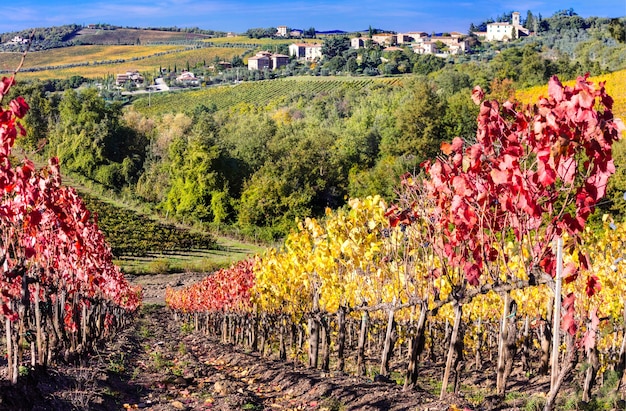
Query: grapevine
53,255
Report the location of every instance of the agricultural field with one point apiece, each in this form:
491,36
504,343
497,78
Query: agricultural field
143,58
614,86
260,92
82,54
130,36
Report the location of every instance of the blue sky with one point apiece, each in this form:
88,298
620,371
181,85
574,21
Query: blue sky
239,15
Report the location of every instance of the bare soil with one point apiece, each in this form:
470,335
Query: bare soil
161,365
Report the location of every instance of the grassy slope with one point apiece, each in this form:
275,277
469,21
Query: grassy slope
227,250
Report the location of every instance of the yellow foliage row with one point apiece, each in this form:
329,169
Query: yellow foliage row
614,86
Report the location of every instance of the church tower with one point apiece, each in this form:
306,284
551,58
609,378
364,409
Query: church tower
516,19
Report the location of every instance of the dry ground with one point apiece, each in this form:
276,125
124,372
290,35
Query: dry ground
161,364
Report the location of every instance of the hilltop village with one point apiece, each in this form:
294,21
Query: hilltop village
442,45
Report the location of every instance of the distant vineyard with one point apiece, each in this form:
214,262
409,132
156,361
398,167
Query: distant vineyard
81,54
131,234
142,60
614,87
257,93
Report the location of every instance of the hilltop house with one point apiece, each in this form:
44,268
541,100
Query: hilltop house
266,60
305,51
281,31
504,31
188,78
385,39
357,42
425,47
18,40
132,76
411,37
454,43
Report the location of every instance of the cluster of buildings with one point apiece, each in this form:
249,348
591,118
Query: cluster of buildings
300,51
18,40
131,76
266,60
420,42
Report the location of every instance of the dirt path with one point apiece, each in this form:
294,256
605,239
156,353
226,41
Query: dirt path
181,369
161,365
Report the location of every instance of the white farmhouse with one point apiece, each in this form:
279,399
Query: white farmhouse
504,31
305,51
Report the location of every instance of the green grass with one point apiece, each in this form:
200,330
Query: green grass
534,403
160,246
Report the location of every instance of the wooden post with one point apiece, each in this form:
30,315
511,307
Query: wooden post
621,361
360,361
39,335
9,342
458,311
556,327
314,332
341,338
416,348
390,338
501,342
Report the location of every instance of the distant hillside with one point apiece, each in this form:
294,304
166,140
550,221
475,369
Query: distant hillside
132,36
101,34
331,32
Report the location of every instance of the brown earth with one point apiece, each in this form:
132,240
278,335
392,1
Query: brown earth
161,365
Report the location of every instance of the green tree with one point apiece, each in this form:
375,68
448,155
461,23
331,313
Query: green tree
507,63
534,70
617,28
193,175
460,117
427,63
335,46
80,135
418,122
42,109
529,23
